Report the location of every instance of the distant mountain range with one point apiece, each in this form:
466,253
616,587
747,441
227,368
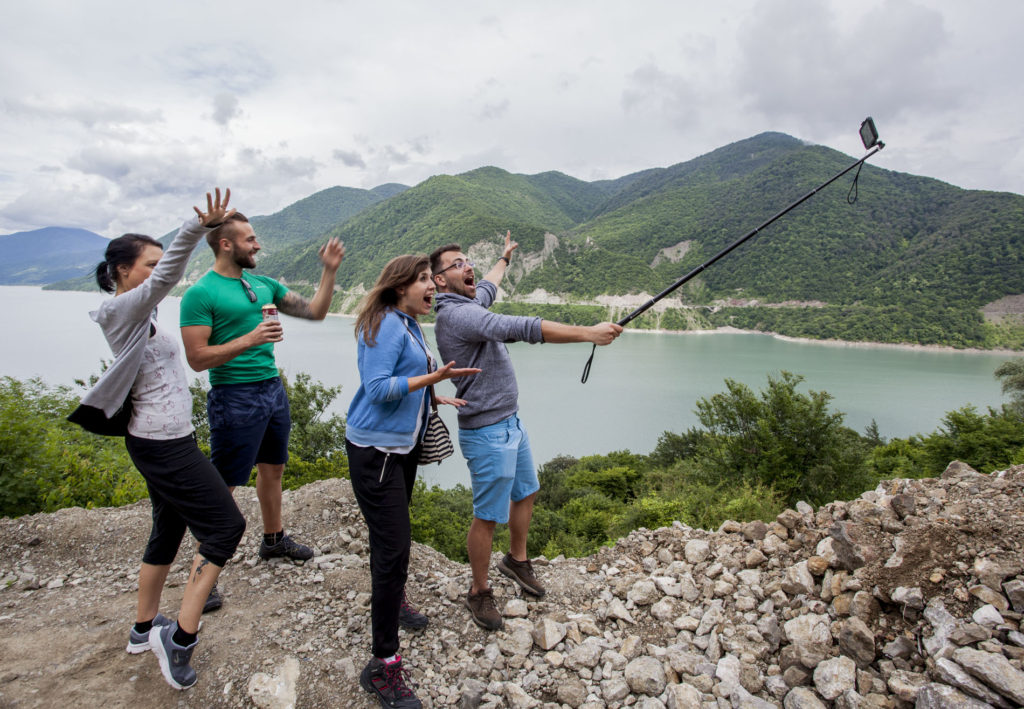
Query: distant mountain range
40,256
912,261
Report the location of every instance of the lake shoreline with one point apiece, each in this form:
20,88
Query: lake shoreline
729,330
839,343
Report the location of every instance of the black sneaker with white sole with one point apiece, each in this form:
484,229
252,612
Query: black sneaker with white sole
287,548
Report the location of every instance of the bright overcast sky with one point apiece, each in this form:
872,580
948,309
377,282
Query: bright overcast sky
116,116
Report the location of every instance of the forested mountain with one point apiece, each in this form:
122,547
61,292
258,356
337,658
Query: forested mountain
45,255
912,260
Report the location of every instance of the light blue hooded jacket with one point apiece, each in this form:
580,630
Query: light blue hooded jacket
383,412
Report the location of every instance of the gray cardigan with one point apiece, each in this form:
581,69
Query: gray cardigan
467,332
125,321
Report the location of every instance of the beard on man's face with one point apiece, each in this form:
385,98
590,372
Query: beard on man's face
245,259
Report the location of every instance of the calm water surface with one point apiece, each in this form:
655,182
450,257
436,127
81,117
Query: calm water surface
641,385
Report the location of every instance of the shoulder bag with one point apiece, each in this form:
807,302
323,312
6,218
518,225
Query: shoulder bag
436,443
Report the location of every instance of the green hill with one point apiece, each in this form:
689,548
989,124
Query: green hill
463,208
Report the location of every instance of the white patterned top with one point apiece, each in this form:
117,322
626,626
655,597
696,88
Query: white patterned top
160,396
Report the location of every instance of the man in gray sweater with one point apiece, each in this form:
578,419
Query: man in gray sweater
492,439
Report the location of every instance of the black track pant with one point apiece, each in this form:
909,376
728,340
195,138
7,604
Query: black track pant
187,492
382,483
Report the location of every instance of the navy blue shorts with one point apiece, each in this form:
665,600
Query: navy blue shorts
249,424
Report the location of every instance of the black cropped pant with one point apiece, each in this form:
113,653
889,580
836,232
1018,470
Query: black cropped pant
187,493
382,483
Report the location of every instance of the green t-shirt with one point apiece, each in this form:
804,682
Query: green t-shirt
223,304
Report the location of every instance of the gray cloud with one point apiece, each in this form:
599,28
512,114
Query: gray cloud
225,108
802,66
420,145
493,110
87,114
105,161
669,96
228,66
349,158
395,155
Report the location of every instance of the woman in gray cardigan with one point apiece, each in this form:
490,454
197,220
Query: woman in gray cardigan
144,396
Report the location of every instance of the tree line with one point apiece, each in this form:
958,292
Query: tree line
753,454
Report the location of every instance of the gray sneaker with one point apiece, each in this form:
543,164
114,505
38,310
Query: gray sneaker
138,643
173,658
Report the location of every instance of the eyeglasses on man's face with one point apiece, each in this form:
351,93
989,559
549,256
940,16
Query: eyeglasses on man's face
248,290
459,264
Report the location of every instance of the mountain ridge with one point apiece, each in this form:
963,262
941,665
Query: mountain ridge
68,250
912,251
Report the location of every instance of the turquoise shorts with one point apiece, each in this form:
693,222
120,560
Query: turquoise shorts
500,467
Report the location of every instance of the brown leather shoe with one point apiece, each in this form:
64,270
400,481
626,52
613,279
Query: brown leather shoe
522,573
484,612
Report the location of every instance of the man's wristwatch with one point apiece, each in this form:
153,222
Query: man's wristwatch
505,259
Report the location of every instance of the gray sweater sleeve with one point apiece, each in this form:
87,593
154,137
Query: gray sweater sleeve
118,315
481,325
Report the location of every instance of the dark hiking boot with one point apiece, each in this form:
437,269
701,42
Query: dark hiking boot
214,600
409,617
387,682
485,613
522,573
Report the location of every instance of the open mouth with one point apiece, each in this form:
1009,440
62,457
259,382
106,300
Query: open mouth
470,279
428,300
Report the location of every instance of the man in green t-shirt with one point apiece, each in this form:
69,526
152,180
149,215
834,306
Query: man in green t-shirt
223,330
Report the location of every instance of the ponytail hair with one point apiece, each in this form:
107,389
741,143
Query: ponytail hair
122,251
399,271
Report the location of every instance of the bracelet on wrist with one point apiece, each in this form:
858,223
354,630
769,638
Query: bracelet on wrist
505,259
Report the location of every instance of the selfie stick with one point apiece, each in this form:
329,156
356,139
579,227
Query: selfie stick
869,136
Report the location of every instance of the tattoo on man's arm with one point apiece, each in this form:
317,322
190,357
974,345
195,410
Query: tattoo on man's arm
199,569
296,306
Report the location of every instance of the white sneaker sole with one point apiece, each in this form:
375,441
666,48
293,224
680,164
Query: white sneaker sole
137,649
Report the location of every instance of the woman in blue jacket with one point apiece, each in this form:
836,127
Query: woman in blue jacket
386,421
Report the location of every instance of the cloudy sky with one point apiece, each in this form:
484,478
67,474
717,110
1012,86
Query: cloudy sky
116,116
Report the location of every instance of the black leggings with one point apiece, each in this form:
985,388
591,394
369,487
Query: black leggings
382,483
186,491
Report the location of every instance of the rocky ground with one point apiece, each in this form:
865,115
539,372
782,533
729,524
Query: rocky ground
911,595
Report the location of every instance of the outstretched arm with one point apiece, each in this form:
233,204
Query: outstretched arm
497,271
331,255
448,371
600,334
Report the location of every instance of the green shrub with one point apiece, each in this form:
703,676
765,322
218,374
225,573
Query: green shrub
47,463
